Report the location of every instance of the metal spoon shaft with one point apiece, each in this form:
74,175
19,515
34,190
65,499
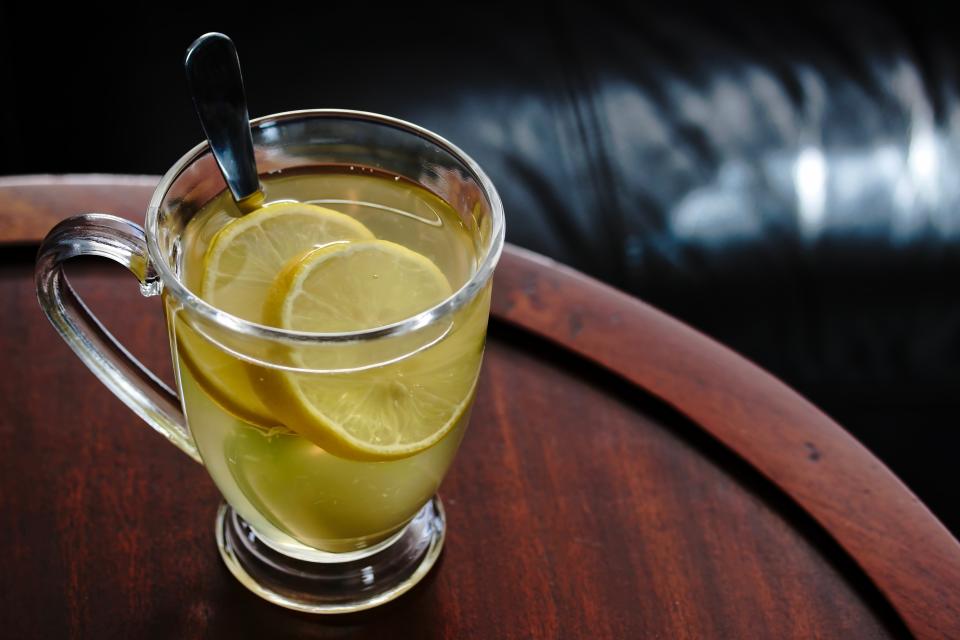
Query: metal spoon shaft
213,73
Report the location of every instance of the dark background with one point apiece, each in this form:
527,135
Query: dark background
657,147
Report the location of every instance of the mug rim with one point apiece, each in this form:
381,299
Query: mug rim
228,321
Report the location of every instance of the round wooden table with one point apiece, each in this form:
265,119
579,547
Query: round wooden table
624,477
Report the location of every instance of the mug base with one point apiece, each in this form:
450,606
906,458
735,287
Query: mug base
329,587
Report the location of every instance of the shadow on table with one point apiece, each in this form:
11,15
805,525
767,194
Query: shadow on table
239,613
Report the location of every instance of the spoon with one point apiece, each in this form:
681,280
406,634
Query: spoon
216,84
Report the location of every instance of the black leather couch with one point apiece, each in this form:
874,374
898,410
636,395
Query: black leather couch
785,179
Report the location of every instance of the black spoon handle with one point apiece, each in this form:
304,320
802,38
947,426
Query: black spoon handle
213,73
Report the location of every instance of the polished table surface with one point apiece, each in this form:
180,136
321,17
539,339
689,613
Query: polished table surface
623,477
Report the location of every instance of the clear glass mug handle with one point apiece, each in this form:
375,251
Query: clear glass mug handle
98,234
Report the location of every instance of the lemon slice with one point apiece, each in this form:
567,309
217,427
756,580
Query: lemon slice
227,380
245,256
383,412
240,265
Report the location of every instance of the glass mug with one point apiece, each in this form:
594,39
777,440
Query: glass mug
300,527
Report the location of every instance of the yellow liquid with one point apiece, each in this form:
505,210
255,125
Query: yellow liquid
291,490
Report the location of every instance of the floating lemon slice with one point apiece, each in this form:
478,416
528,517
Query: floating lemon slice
240,265
383,412
245,256
226,380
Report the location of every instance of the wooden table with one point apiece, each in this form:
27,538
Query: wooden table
624,477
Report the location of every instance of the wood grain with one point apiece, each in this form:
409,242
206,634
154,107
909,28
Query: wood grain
31,205
866,508
580,506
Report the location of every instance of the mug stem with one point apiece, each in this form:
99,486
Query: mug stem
106,236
